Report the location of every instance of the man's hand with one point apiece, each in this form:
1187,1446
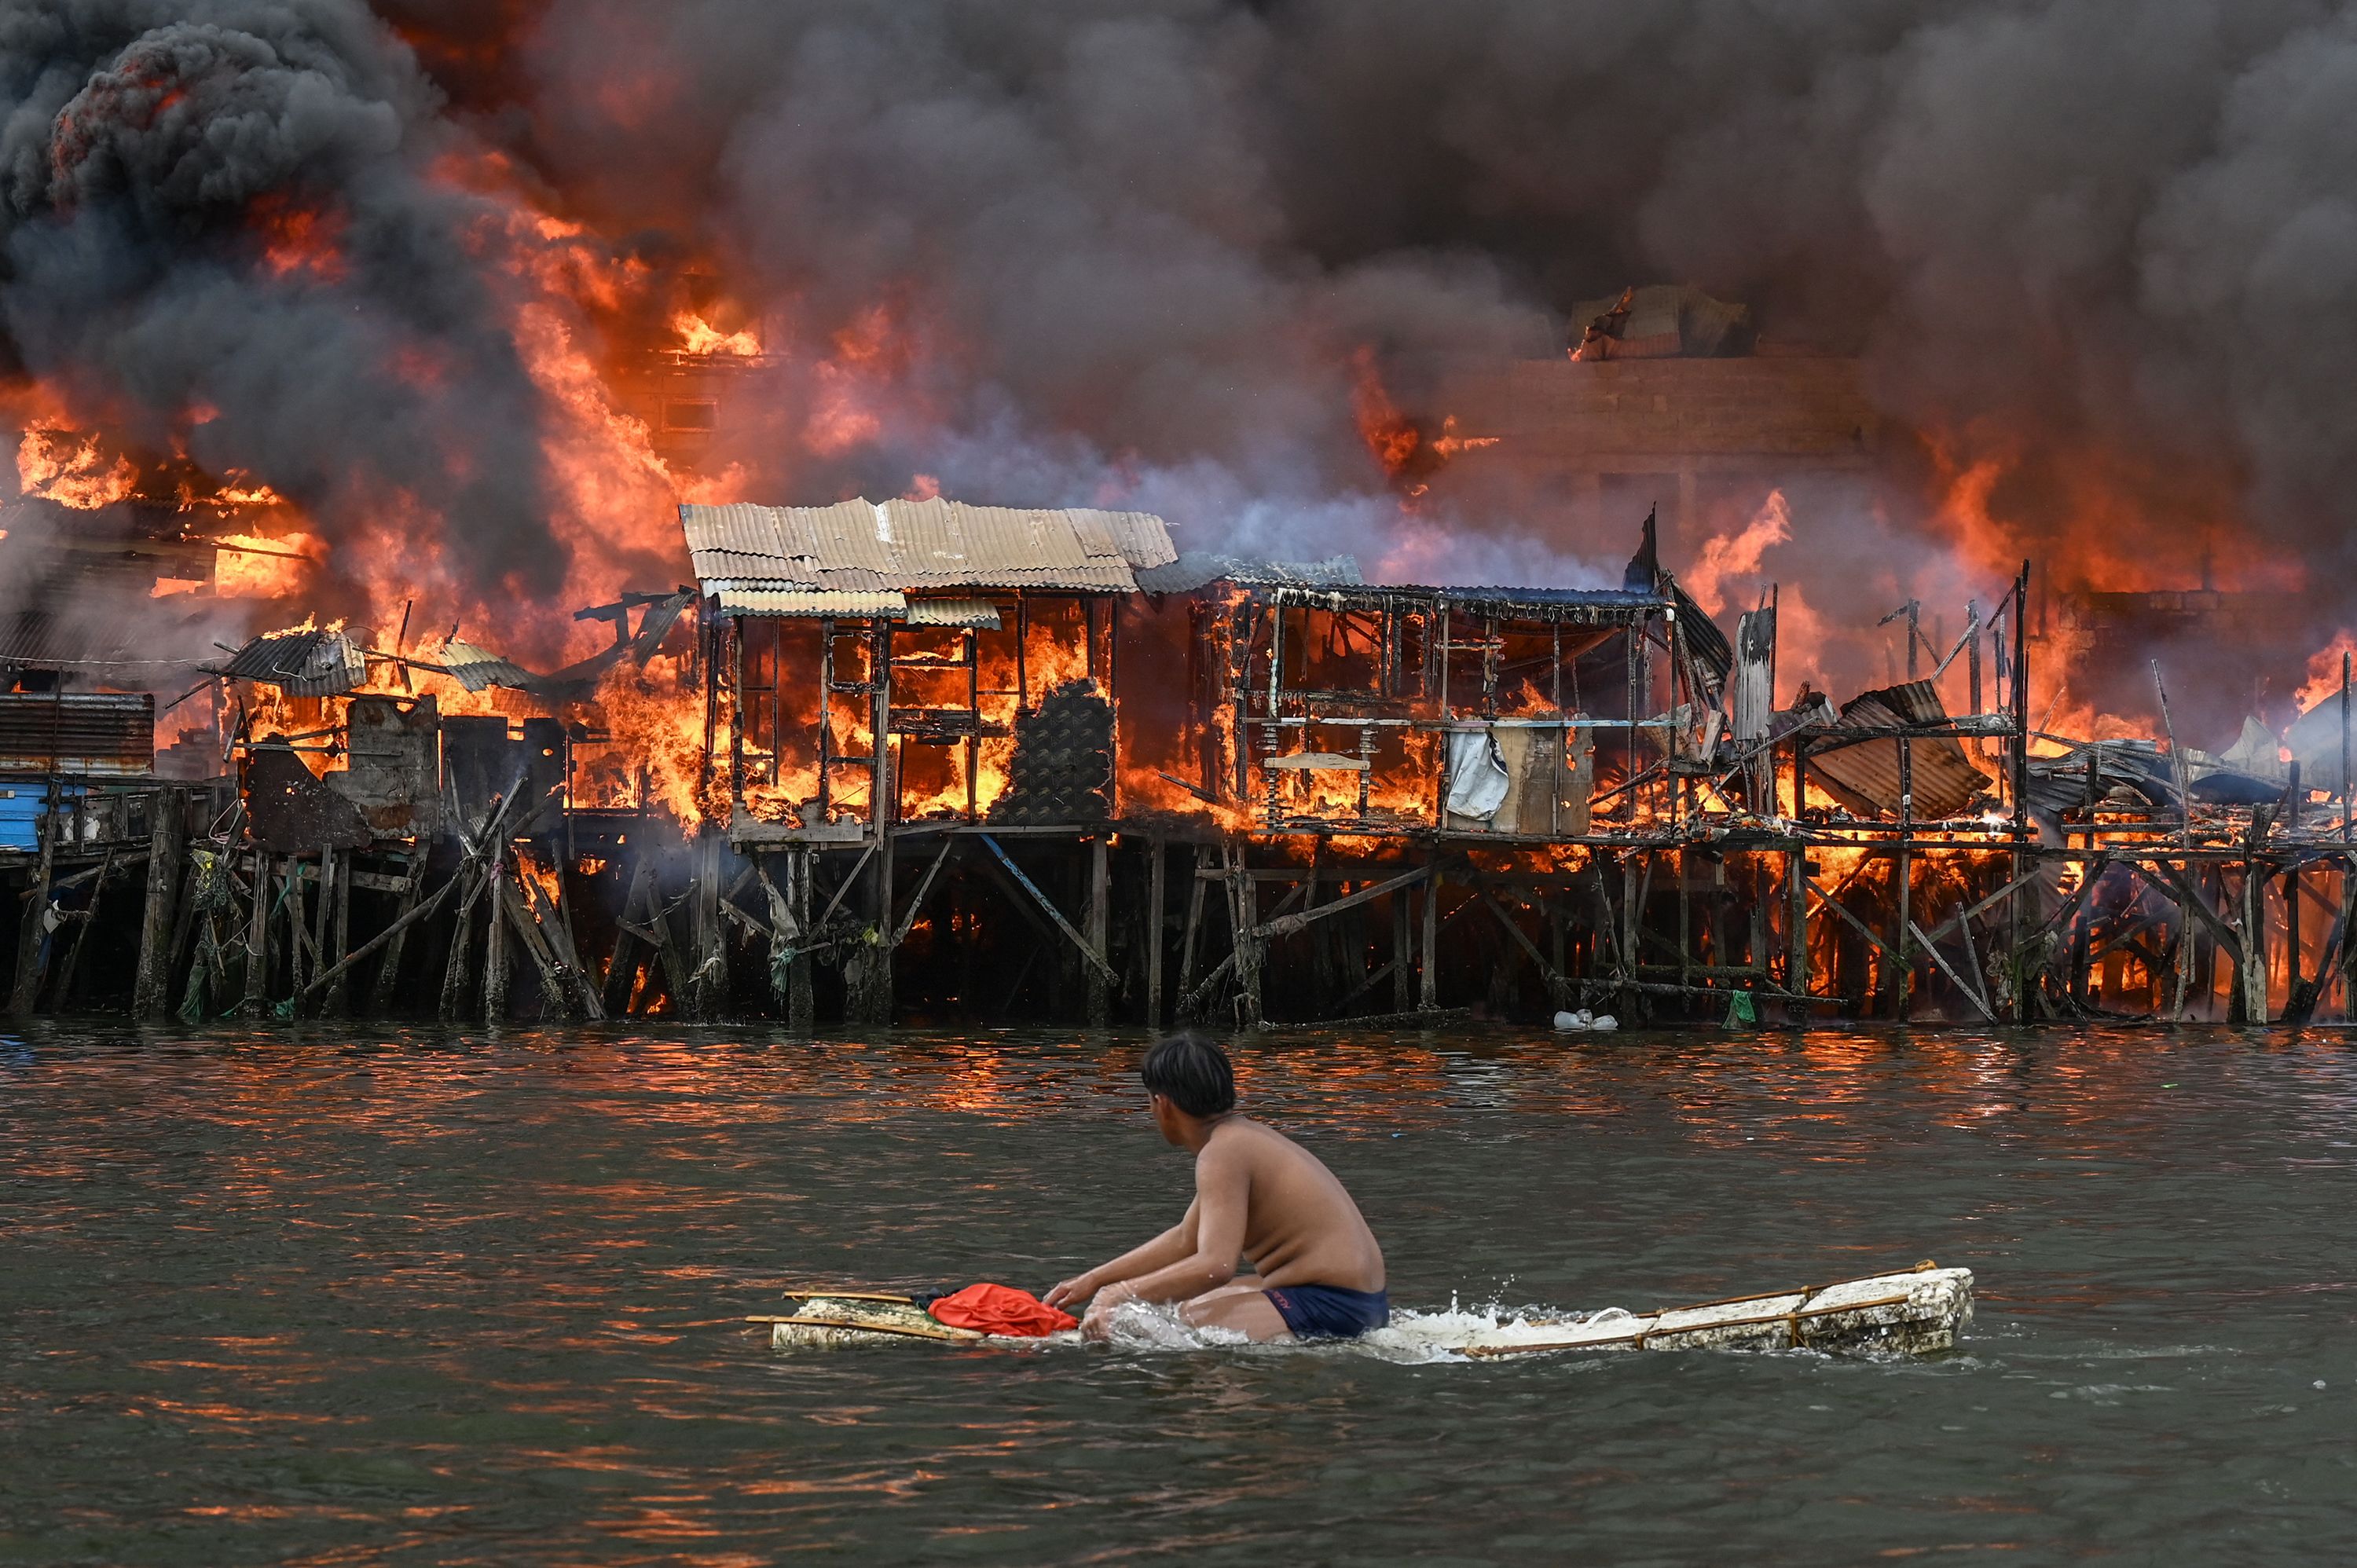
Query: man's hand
1070,1293
1098,1324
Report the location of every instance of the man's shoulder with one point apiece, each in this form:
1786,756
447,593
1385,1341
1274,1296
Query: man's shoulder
1243,1140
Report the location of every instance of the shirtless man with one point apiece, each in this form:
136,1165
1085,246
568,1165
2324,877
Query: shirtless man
1316,1270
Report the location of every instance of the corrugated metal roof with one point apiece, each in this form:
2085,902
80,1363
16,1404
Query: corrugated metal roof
1864,776
1196,568
1583,607
477,667
803,602
868,546
308,663
980,614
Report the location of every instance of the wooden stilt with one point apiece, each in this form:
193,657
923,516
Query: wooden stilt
388,973
333,865
30,961
1197,886
708,982
801,1000
1157,852
1251,947
496,962
1428,947
1403,965
87,916
622,967
1096,926
258,955
167,846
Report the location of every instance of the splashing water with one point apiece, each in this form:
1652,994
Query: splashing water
1412,1337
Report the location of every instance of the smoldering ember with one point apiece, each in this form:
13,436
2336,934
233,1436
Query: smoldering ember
460,571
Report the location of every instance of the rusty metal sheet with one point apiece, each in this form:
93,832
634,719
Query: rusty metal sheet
98,734
394,765
290,811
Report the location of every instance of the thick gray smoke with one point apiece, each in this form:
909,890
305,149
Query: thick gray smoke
150,156
2089,231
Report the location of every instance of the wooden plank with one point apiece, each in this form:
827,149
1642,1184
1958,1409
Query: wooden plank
924,886
1286,925
388,974
1972,992
2172,883
420,912
1053,913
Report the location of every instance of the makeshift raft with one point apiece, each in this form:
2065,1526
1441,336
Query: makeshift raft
1918,1312
828,1318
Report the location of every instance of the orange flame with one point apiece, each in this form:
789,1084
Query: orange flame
73,469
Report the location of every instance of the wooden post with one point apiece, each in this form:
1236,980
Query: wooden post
455,974
1429,957
1633,908
2293,958
323,925
2253,973
1197,888
1904,963
495,958
340,939
388,973
708,981
802,1001
1097,924
622,966
1155,852
62,1002
1244,903
1402,964
25,990
167,846
1796,922
258,955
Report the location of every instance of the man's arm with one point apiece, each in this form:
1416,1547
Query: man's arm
1173,1244
1223,1196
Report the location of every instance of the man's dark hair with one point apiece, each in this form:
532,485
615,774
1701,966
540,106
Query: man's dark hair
1193,1073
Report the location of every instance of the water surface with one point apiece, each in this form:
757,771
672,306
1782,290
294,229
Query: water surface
413,1297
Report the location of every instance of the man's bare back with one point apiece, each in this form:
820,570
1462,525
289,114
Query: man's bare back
1316,1267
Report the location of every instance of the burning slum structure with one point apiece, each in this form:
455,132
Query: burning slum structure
920,758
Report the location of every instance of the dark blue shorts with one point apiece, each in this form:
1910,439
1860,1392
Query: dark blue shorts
1329,1312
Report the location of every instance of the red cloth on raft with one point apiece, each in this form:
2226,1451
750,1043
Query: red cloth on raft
1002,1309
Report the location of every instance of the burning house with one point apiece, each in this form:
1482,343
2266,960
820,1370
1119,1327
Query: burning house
931,758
